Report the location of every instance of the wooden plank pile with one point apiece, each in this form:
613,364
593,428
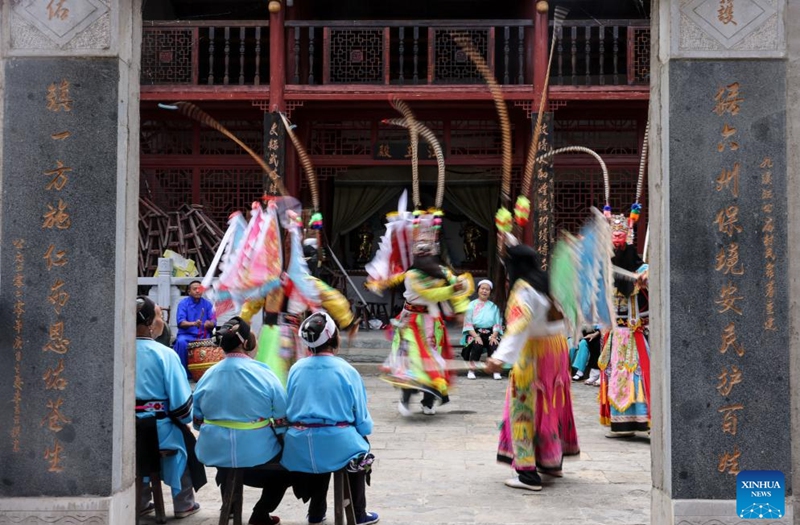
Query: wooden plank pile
188,232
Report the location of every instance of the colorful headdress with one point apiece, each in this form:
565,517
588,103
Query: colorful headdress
619,223
426,227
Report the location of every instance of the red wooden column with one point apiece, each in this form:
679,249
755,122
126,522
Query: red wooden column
540,49
277,57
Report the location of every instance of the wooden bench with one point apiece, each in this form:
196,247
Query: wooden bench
233,496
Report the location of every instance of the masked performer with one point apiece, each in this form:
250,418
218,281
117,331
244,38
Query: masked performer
538,427
420,346
285,305
625,360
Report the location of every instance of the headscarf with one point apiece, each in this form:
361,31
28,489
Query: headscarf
317,330
522,262
231,335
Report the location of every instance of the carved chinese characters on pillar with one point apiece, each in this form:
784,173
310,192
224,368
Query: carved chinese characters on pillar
19,342
58,177
725,12
768,238
728,263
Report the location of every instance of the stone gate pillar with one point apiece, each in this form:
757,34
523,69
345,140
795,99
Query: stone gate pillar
724,275
69,157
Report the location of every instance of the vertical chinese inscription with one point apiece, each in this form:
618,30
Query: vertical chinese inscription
543,199
56,218
728,261
19,343
768,239
273,154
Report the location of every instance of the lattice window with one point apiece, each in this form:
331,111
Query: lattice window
251,132
477,137
640,49
341,138
577,190
168,188
451,64
323,173
167,55
606,137
356,56
166,137
224,191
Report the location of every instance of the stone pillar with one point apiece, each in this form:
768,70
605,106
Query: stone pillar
722,291
69,160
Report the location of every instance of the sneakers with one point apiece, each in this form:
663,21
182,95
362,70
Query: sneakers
470,375
368,519
428,412
315,520
497,376
403,409
594,377
186,513
515,483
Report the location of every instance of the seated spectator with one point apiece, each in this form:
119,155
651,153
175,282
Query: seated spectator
237,402
195,320
162,392
483,327
328,422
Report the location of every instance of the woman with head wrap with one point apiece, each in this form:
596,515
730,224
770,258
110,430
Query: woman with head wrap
482,328
163,395
538,427
328,421
236,405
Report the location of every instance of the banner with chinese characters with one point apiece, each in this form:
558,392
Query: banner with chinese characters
57,260
274,149
729,309
542,194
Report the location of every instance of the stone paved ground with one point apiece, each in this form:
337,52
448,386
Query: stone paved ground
441,469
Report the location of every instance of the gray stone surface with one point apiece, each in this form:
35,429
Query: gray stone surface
442,469
727,28
78,377
699,318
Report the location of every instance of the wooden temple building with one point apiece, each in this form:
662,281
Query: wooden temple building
332,67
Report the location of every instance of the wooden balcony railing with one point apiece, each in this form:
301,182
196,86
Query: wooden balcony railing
205,53
374,52
405,52
601,52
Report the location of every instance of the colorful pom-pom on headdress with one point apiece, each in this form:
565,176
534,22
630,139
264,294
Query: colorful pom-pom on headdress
503,220
607,211
316,221
522,211
636,210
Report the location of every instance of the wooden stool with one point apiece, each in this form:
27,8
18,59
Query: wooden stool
378,310
362,312
342,499
148,464
232,497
